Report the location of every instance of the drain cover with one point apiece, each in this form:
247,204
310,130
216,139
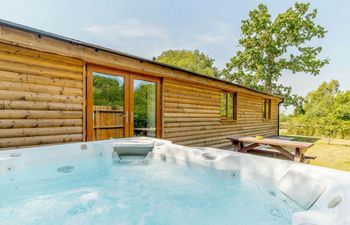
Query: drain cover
65,169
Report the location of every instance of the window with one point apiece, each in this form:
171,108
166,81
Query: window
228,106
267,109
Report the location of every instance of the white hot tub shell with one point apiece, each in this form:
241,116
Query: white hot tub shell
323,193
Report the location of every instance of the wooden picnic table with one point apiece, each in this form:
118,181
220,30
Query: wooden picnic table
246,144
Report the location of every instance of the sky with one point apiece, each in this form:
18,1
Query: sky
146,28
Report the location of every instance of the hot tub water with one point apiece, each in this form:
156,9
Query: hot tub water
152,193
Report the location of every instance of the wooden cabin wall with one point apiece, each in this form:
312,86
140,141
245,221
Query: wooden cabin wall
42,95
103,58
41,98
191,116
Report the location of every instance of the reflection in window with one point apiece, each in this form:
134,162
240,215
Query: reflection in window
108,91
108,106
228,106
145,108
267,109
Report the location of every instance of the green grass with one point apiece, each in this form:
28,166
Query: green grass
335,155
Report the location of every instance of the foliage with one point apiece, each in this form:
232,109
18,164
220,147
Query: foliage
270,47
108,91
326,113
145,105
194,61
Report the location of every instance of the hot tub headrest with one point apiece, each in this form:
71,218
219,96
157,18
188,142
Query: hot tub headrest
302,189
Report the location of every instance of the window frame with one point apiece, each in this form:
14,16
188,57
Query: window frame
266,112
234,106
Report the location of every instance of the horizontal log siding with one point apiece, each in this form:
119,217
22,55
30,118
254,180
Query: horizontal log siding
41,98
42,83
191,116
103,58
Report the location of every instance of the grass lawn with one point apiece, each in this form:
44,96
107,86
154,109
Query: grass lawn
335,155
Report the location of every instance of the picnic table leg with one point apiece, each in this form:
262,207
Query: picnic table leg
236,145
241,145
284,152
247,148
299,155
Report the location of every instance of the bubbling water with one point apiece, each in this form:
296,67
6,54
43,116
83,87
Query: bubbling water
152,193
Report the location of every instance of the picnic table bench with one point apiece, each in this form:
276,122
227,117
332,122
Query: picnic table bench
251,144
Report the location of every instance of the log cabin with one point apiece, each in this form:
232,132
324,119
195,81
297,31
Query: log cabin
55,89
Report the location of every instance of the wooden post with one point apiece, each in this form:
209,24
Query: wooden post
236,145
298,157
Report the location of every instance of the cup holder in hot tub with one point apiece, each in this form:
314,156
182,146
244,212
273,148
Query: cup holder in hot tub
208,156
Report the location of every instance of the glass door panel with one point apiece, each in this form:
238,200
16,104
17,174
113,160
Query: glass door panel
120,104
107,106
144,115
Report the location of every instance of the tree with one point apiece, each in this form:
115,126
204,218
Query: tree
270,47
145,105
318,103
194,61
326,113
108,91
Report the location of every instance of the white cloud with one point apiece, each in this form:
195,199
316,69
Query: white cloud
209,38
223,26
220,33
149,40
132,28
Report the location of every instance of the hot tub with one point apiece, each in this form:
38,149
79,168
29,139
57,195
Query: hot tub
91,183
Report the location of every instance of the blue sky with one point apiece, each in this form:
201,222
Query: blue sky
146,28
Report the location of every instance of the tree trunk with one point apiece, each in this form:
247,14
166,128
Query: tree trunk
270,72
268,85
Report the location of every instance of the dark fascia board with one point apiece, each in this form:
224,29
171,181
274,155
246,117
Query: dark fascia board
72,41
